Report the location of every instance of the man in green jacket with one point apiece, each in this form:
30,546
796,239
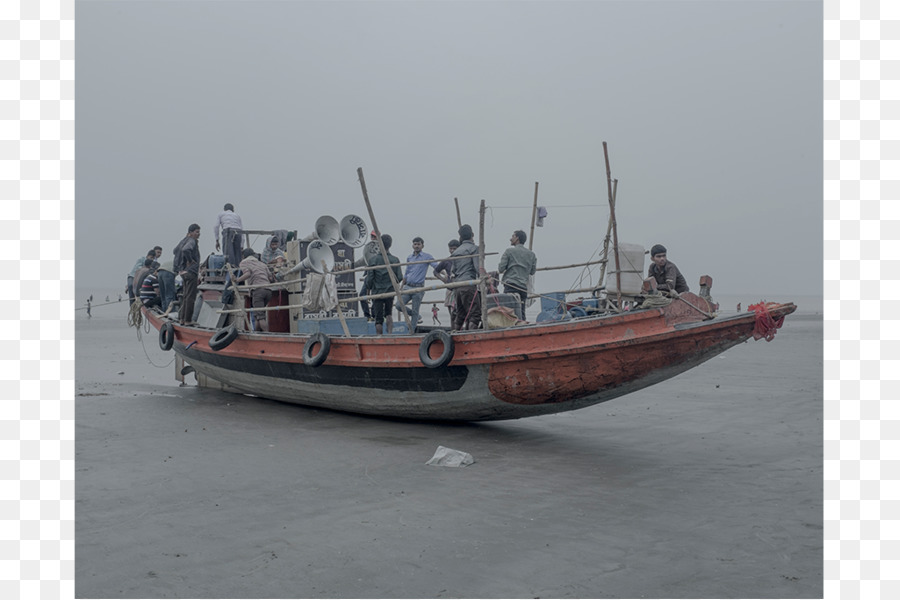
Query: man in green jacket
516,265
378,281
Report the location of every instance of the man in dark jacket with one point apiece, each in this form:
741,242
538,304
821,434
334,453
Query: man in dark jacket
378,281
187,264
668,277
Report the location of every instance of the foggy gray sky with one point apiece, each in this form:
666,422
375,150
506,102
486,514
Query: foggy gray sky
712,112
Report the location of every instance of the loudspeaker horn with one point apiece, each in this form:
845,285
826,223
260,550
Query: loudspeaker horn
353,231
316,252
328,230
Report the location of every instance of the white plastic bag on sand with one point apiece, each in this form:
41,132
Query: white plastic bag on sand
448,457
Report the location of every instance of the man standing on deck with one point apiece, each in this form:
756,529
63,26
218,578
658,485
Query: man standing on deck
255,272
444,272
231,228
187,264
369,251
414,279
468,300
668,277
378,281
516,265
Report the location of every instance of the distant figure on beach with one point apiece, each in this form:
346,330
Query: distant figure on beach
231,227
739,307
89,307
444,272
413,280
120,297
517,264
378,281
129,286
468,300
434,315
107,298
667,276
255,272
187,264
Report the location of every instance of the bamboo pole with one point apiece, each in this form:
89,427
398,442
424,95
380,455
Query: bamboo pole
458,218
606,239
481,269
454,285
533,217
384,255
339,311
612,217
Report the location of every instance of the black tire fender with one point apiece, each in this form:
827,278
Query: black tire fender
446,356
166,336
223,337
324,343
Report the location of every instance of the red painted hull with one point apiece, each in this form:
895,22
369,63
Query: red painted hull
494,374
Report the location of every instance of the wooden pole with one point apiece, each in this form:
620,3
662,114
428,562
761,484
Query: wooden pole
612,218
384,255
339,311
481,269
606,239
458,217
533,217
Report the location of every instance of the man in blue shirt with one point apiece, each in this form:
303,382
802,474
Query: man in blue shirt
415,278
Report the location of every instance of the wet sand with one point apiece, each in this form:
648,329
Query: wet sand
707,485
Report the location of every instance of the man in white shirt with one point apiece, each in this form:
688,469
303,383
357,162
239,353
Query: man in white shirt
230,225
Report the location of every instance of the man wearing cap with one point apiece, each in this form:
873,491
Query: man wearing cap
667,276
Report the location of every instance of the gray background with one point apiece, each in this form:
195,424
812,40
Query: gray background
712,112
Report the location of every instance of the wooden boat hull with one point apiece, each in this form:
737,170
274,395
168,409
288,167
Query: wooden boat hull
495,374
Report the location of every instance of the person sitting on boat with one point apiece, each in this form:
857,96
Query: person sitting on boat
444,272
231,228
414,279
273,254
378,281
468,300
516,265
667,276
150,289
150,264
129,286
255,272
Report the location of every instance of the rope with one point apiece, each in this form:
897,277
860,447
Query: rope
765,325
134,318
656,301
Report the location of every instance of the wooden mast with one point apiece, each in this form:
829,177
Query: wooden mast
387,262
533,217
612,219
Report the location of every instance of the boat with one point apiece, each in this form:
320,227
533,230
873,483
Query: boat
583,352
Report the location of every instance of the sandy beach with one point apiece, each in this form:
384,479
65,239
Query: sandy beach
706,485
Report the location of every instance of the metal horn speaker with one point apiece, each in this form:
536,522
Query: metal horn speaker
353,231
317,252
328,230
